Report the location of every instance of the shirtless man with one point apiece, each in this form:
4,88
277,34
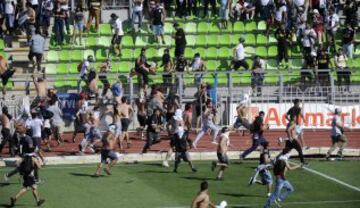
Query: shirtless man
5,119
5,73
92,132
82,107
202,199
92,83
141,114
107,151
125,111
41,87
223,161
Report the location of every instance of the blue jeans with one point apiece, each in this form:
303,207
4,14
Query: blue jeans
139,16
348,50
10,20
260,140
59,30
280,184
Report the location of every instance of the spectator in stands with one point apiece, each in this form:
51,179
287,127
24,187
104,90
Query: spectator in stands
157,22
180,40
94,13
281,14
46,10
35,7
318,25
332,22
198,65
308,43
243,8
137,8
116,25
79,23
350,12
181,8
192,8
181,65
10,15
37,46
265,8
283,37
143,69
257,75
323,66
56,121
168,66
348,41
84,68
65,7
59,21
300,24
31,20
225,7
342,71
206,7
104,69
239,56
6,72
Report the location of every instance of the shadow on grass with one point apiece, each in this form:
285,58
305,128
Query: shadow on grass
86,175
199,178
4,184
238,195
153,164
154,171
5,205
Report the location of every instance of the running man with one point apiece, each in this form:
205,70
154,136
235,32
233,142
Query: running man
27,170
257,129
181,142
107,151
241,119
82,108
337,135
5,119
126,112
263,170
293,116
92,132
294,143
202,199
281,166
155,126
208,123
35,124
223,160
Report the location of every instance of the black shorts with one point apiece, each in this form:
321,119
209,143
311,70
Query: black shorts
125,124
239,63
37,142
79,126
179,51
46,132
29,181
142,120
182,156
38,56
223,158
105,154
6,76
116,39
104,80
168,116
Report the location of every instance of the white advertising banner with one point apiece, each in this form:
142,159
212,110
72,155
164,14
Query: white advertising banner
316,115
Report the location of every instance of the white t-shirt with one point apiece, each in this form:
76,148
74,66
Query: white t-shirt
264,2
240,52
56,119
84,68
279,13
331,21
308,39
117,26
34,2
9,8
138,7
35,126
335,130
299,3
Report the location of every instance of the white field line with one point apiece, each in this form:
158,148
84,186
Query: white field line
283,203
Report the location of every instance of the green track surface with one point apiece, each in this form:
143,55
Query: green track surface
150,185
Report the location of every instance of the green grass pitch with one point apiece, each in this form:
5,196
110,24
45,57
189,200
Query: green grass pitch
150,185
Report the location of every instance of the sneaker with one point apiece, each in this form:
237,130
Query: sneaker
107,171
6,177
40,202
277,203
280,140
193,170
213,166
12,202
214,143
304,164
175,171
251,181
165,164
219,178
268,195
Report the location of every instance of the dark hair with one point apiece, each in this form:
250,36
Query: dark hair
4,109
204,186
124,100
176,24
262,157
224,129
197,55
261,113
296,101
188,106
113,15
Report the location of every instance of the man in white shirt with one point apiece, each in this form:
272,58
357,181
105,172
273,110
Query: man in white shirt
118,33
308,42
56,121
137,12
281,13
337,134
35,124
85,68
10,14
332,24
239,56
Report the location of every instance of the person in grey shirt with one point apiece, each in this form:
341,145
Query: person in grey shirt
37,45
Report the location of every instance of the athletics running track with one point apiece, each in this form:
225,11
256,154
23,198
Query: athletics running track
318,138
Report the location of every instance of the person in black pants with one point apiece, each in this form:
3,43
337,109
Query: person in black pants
182,144
206,7
180,40
5,119
294,144
155,126
283,37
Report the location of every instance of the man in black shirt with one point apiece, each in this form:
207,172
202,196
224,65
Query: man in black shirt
206,7
155,126
348,41
180,40
324,63
283,37
157,19
182,142
181,65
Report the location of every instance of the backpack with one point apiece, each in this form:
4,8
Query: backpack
26,166
116,90
79,66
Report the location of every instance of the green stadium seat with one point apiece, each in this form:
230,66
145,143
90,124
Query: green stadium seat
261,26
91,42
355,76
224,65
151,53
272,39
224,53
261,39
189,53
225,40
128,41
159,54
190,40
203,27
272,51
190,27
201,41
127,54
104,41
296,64
295,52
211,53
250,39
261,51
52,56
239,27
77,56
141,41
101,55
357,50
249,51
250,62
212,40
201,51
168,28
250,27
214,27
271,77
212,65
72,68
50,68
62,69
65,55
244,78
229,28
2,44
105,29
271,64
89,52
124,67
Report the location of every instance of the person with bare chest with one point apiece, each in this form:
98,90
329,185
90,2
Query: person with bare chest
125,111
202,199
5,119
